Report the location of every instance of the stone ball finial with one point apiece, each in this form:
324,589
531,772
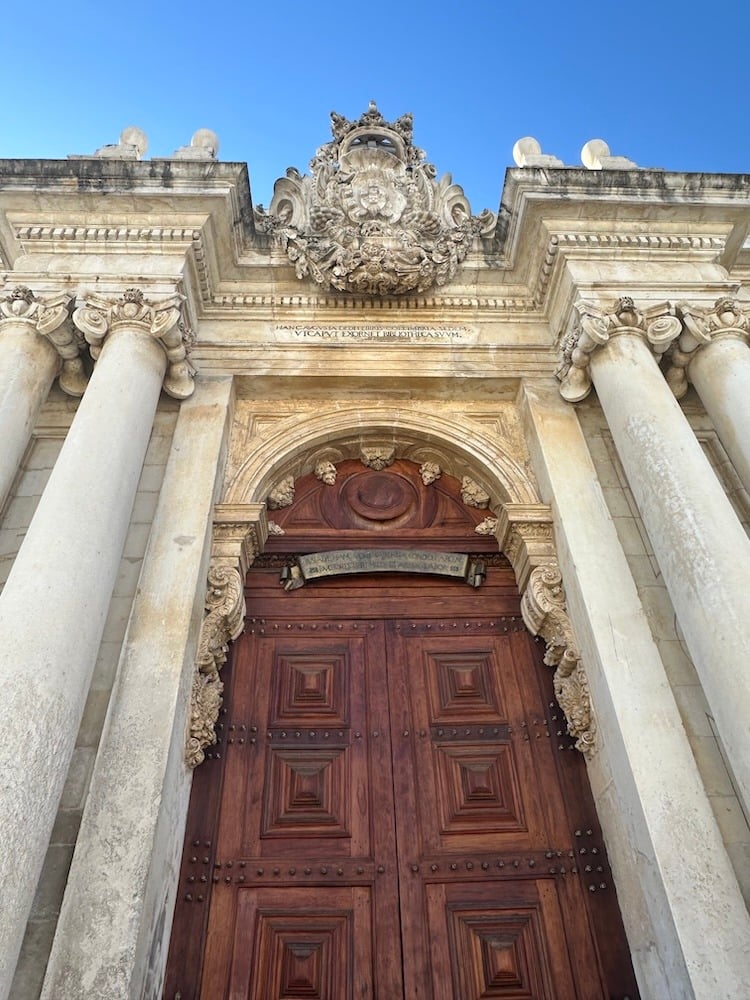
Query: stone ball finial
205,138
528,146
131,135
593,152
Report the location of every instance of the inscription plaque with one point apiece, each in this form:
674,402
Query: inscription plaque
344,562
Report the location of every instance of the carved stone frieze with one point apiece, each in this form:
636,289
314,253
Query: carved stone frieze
727,318
371,218
225,615
378,456
430,472
282,495
592,327
473,495
96,317
545,614
50,317
325,471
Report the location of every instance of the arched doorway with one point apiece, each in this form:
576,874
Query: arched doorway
392,809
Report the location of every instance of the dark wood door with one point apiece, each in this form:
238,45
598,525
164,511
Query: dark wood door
395,818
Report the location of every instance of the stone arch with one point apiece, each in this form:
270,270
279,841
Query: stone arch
464,450
524,534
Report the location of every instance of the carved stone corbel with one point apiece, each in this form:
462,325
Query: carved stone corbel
545,614
525,535
727,318
96,317
50,317
240,532
592,327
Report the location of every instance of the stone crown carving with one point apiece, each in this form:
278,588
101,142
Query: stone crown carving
50,317
371,218
592,327
96,317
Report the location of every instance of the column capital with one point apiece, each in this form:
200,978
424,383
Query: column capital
592,325
525,536
48,316
163,320
727,318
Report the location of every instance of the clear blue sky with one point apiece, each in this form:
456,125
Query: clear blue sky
664,83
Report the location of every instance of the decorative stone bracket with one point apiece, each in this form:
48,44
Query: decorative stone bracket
592,327
727,318
240,533
50,317
524,532
97,317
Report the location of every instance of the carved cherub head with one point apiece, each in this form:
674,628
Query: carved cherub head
325,471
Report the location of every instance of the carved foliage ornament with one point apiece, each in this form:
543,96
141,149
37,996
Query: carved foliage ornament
545,614
96,317
371,218
592,327
225,607
50,318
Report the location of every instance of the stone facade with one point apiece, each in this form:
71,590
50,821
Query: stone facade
172,363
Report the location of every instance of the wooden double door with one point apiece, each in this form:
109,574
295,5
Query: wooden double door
392,811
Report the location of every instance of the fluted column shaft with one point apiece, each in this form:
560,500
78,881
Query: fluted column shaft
55,602
702,549
33,344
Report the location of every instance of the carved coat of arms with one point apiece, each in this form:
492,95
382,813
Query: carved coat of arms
371,218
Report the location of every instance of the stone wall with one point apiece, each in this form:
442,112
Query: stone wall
40,458
686,686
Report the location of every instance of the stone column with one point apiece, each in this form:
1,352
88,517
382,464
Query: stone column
701,548
54,605
113,931
712,353
36,343
685,918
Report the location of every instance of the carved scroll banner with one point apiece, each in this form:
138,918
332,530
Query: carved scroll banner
344,562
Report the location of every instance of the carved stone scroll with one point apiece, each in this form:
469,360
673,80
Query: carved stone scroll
240,532
592,327
97,317
50,317
525,534
545,614
225,607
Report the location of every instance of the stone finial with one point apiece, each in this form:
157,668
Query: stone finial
50,317
595,155
203,146
726,318
132,146
592,326
528,153
95,317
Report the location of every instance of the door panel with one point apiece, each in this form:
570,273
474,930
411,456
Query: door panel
396,818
